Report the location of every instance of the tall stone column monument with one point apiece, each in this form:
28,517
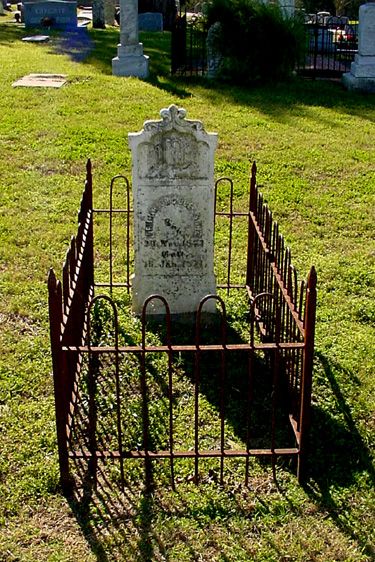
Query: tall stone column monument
362,71
173,201
130,60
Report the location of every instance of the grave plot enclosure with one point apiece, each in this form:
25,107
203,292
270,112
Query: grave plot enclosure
130,391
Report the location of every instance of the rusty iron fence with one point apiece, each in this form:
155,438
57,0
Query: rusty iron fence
89,371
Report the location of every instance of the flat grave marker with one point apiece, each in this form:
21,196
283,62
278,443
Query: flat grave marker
41,81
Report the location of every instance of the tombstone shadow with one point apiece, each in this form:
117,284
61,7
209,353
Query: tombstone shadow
234,390
78,45
338,453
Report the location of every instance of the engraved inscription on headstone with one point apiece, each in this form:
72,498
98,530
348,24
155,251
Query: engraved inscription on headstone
51,13
173,192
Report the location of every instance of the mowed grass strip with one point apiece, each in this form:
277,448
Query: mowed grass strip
314,144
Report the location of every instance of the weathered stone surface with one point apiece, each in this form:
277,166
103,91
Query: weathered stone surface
214,56
173,192
41,81
366,30
109,11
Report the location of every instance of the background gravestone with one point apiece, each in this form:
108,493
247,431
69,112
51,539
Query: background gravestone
109,11
150,21
173,198
214,56
57,13
362,71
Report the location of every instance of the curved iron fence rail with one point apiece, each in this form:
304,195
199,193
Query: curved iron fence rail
281,310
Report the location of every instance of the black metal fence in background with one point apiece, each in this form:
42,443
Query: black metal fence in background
331,44
188,52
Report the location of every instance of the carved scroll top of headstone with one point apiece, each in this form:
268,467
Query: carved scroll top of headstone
174,148
173,117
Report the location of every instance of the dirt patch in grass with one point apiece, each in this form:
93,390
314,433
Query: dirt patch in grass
23,325
50,532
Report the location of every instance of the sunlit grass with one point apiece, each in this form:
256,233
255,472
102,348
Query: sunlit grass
315,148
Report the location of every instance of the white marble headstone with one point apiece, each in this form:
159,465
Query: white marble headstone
362,71
173,199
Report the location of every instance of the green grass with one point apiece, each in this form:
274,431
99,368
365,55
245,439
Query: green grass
314,144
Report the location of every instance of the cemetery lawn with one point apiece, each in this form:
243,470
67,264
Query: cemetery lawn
314,144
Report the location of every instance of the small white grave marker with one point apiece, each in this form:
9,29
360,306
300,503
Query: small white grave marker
36,39
173,193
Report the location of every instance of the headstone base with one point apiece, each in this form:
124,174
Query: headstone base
130,63
358,84
181,301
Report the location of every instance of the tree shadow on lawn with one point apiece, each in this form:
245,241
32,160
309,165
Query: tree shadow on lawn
286,100
10,33
338,456
97,47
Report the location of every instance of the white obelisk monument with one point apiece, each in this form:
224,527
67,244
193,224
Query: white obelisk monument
362,71
130,60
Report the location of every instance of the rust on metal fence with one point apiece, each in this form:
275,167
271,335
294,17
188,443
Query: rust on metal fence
280,311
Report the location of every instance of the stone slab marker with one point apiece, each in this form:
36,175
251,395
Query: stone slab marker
173,200
130,60
362,71
109,11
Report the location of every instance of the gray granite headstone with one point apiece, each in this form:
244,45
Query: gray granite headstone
109,11
173,197
150,21
214,56
61,14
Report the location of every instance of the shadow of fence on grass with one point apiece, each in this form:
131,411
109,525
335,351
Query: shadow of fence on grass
125,523
339,455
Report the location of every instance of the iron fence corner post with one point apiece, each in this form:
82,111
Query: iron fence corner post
59,379
90,235
306,382
250,231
